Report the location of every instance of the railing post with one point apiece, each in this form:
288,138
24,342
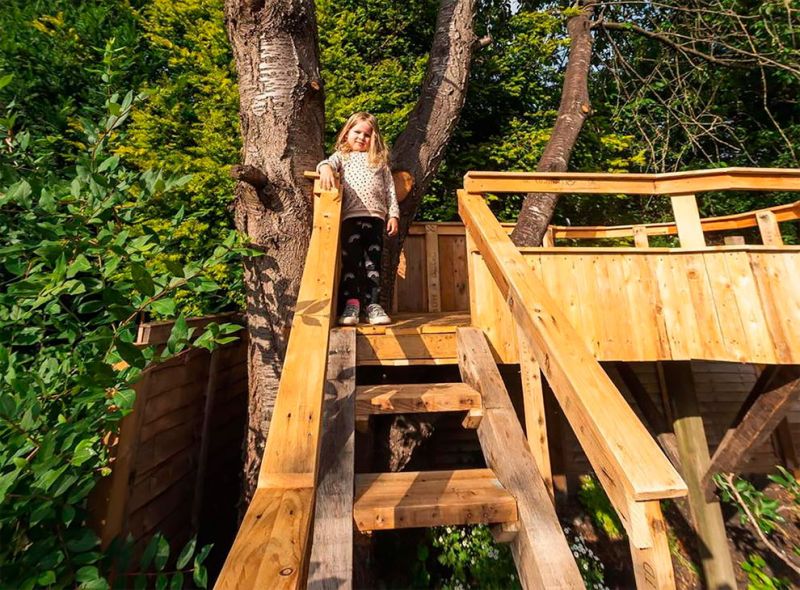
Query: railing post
687,218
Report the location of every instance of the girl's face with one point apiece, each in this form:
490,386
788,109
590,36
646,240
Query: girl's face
359,137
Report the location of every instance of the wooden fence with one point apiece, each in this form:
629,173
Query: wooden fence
176,461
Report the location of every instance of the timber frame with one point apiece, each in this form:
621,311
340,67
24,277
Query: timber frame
543,308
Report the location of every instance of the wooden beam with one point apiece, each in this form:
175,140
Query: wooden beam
640,238
432,265
781,388
416,397
533,403
271,549
652,566
331,565
671,183
769,229
541,552
693,448
412,499
687,218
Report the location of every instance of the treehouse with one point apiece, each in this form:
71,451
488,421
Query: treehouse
653,367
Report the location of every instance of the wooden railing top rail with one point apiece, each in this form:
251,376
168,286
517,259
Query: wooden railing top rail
271,547
671,183
783,213
627,460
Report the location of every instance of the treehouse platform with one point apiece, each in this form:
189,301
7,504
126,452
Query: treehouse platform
660,366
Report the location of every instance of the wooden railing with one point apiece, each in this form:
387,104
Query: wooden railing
272,546
628,463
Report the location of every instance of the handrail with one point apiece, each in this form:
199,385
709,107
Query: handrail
626,459
783,213
271,549
671,183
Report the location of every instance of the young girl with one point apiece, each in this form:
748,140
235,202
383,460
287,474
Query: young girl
369,198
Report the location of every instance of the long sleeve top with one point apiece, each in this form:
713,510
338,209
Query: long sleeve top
367,191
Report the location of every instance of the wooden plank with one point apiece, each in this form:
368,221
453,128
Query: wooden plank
708,339
730,321
109,504
453,265
671,183
416,397
542,555
331,564
769,408
687,218
759,342
640,238
412,285
404,347
432,268
271,547
533,404
693,448
432,498
652,566
769,229
610,433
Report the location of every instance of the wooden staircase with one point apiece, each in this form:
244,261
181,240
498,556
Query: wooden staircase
298,529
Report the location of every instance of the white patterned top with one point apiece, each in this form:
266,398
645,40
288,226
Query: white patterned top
368,191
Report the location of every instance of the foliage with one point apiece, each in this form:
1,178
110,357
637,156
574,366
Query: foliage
591,568
189,125
765,515
472,559
154,568
758,578
594,499
57,50
73,264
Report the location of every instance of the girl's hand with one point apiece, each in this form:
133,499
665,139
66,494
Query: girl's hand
326,179
393,226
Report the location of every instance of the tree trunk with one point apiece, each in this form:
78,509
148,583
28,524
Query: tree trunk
537,208
420,147
281,112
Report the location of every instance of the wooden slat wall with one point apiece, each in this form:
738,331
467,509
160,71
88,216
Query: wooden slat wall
163,491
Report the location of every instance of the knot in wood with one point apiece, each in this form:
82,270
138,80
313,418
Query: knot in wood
287,571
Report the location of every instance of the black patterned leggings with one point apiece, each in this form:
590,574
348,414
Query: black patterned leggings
362,243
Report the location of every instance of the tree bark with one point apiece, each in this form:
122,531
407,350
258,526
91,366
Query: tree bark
537,208
281,113
420,147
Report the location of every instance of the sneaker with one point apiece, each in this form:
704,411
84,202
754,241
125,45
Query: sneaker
349,316
376,316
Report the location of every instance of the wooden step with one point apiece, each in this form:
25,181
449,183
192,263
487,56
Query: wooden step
411,339
411,499
416,397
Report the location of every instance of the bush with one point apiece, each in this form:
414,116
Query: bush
74,269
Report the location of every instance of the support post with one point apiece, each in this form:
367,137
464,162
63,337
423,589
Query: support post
432,262
540,550
693,449
533,402
331,566
687,218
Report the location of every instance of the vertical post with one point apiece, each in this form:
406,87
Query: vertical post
769,229
687,218
202,460
533,402
549,238
693,449
640,238
432,258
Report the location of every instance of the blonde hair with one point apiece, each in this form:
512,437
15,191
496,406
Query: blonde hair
378,154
